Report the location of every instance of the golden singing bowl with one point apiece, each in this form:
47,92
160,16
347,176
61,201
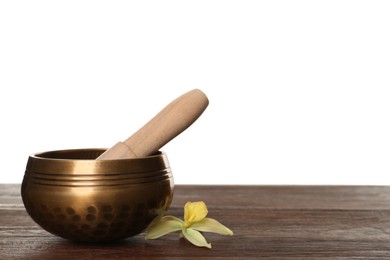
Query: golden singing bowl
73,196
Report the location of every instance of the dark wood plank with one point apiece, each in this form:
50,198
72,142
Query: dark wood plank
290,222
287,197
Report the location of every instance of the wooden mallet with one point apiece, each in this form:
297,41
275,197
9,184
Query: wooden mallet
166,125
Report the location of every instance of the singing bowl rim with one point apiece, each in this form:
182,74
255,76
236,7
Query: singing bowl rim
82,162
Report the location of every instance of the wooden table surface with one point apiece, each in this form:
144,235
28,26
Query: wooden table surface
268,221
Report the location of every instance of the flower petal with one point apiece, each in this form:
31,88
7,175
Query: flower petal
212,225
163,226
162,219
168,218
195,237
193,212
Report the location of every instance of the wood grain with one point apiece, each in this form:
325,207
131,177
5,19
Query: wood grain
281,222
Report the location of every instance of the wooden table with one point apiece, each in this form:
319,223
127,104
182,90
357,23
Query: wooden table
268,221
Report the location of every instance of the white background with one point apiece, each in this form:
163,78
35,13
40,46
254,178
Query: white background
299,90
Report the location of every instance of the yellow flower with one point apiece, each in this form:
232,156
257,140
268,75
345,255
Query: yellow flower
194,212
195,221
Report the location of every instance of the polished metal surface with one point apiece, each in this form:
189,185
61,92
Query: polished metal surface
74,196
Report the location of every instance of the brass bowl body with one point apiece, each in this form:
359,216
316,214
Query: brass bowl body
71,195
